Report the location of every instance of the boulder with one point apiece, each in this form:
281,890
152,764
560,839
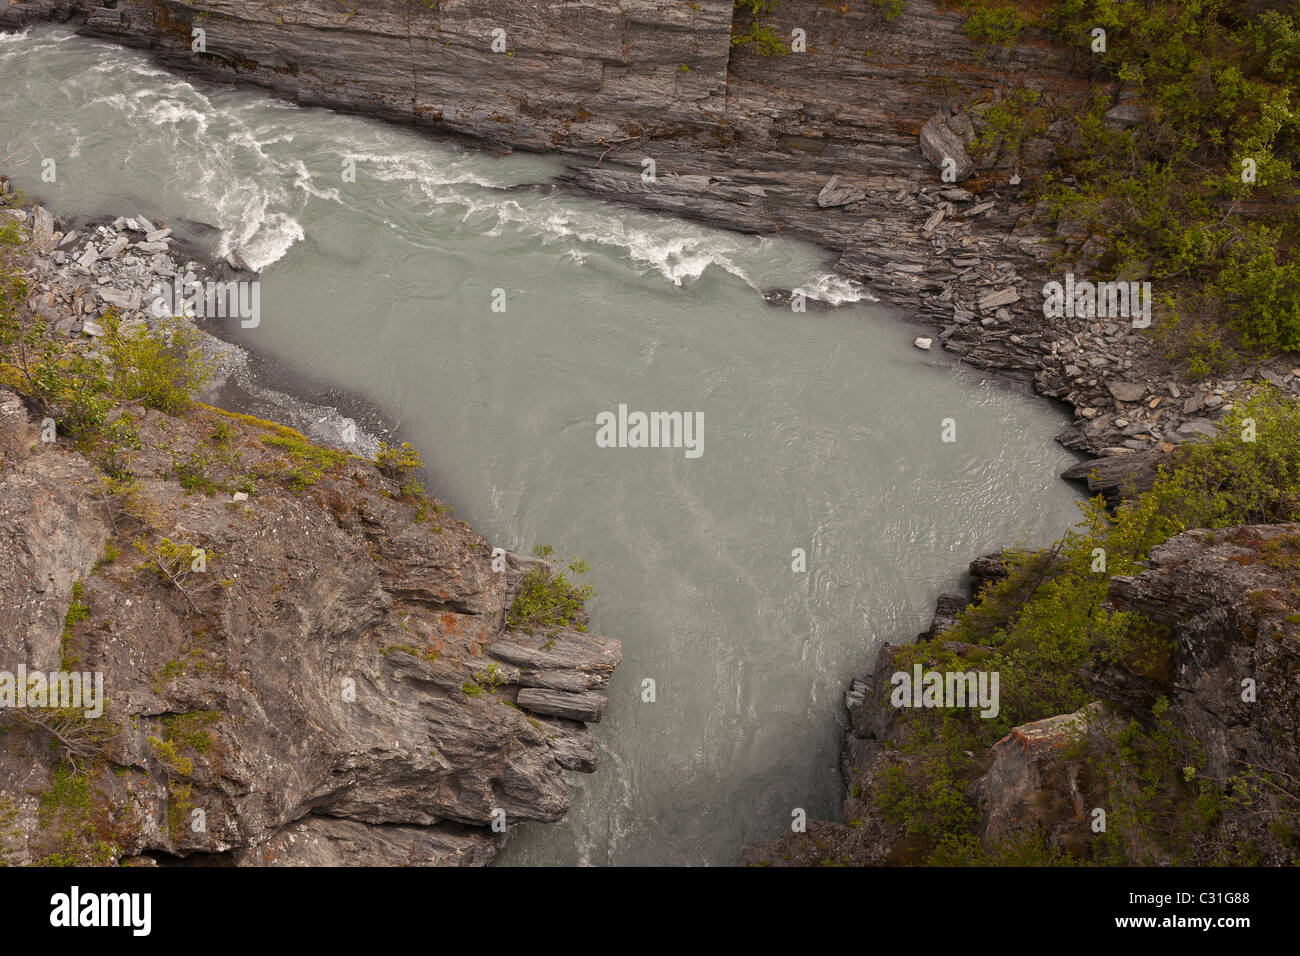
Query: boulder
939,144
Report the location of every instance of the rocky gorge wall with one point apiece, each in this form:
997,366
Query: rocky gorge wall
1228,600
335,684
838,145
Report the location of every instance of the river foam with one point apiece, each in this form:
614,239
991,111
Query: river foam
492,317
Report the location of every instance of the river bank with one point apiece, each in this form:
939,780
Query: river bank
1128,407
336,681
824,145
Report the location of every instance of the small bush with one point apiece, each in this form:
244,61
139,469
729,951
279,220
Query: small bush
998,26
164,369
548,600
398,462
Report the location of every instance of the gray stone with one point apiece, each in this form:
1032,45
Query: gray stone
42,229
940,144
1124,116
836,193
991,300
1127,391
556,703
1196,428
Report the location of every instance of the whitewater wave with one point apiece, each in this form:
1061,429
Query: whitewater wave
835,289
254,177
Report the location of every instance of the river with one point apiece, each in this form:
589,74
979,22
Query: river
822,431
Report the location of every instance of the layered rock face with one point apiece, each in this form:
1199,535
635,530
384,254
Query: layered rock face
338,685
841,144
1230,601
304,660
536,74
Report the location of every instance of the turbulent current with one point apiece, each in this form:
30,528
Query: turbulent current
821,431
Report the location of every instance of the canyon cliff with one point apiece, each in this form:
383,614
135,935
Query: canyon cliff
843,146
305,658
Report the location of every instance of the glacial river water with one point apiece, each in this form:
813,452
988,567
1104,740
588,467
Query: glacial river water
822,430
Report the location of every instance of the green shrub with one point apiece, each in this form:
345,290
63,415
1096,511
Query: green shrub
398,462
548,600
1048,620
309,461
999,25
1264,293
891,8
164,368
758,35
1174,199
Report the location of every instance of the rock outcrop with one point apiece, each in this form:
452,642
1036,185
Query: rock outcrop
305,659
1230,601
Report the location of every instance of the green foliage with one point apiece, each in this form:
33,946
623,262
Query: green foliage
995,25
548,600
177,563
179,803
763,39
1009,121
1047,620
1229,480
188,732
928,799
191,471
68,792
163,368
759,36
67,807
891,8
78,611
1264,293
490,677
398,463
176,763
1157,807
184,738
1028,849
1172,198
424,654
309,461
